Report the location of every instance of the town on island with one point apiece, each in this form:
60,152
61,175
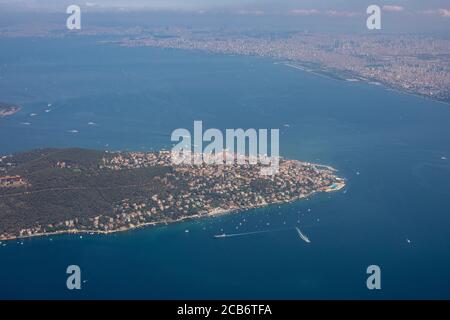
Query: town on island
55,191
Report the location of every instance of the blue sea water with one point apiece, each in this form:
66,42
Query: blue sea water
391,147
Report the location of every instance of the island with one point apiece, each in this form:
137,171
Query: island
54,191
8,109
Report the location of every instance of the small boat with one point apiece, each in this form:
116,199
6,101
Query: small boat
223,235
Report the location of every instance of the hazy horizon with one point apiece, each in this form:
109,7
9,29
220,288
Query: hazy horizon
323,15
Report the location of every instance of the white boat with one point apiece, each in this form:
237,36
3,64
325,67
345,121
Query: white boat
223,235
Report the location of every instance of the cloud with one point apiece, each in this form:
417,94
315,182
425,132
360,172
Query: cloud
393,8
330,13
428,12
251,12
444,13
304,12
335,13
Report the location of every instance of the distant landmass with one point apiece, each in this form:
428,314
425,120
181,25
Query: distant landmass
412,64
51,191
8,109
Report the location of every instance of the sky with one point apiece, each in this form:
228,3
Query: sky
239,6
414,15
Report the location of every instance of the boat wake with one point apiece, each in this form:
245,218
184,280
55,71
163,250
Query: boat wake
302,236
242,234
224,235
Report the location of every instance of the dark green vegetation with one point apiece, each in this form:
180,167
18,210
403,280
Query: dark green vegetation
79,190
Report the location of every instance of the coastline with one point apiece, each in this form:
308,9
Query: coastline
339,75
216,212
315,69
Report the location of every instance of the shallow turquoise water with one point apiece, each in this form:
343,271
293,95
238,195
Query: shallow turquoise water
137,96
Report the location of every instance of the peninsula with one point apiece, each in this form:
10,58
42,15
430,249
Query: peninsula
53,191
8,109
